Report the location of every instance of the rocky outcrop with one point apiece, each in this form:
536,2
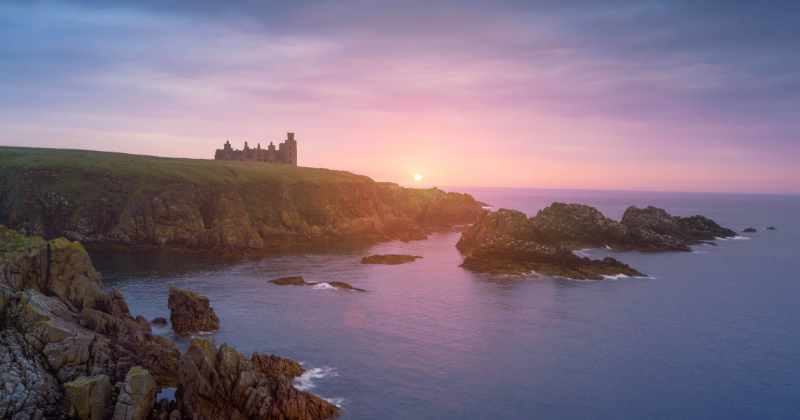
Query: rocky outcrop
299,281
219,383
688,230
59,325
390,259
507,242
190,312
222,209
64,341
771,228
137,396
750,230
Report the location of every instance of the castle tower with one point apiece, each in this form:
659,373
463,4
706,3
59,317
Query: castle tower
290,155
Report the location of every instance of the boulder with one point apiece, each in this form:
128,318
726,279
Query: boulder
391,259
190,311
159,321
219,383
90,397
137,396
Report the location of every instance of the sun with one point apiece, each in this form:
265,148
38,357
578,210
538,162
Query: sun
417,177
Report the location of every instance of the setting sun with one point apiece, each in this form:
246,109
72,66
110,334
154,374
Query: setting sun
417,177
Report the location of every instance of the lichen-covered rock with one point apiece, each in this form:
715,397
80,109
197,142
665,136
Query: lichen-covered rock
91,397
219,383
190,311
137,396
78,330
390,259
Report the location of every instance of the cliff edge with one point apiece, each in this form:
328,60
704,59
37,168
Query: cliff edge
221,207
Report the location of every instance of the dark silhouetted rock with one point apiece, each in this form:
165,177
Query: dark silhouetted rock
771,228
750,230
190,311
159,321
219,383
289,281
391,259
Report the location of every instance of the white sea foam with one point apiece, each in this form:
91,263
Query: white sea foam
735,237
700,252
616,277
305,381
323,286
337,401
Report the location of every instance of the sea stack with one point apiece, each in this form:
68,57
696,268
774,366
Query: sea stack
190,311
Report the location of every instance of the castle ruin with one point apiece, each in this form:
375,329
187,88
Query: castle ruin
286,152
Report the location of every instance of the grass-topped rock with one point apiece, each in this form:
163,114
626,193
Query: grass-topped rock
391,259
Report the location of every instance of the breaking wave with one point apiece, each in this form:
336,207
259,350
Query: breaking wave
305,381
323,286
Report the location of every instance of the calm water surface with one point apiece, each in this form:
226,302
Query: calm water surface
711,334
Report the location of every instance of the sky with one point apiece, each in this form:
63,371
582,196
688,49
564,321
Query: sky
623,95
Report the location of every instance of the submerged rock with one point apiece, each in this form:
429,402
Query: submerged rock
508,256
750,230
771,228
190,311
219,383
391,259
289,281
298,281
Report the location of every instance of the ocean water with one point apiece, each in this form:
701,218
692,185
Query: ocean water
711,334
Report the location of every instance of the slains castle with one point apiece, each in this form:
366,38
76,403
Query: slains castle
286,153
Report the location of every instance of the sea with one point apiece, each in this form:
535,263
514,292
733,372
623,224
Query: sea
708,334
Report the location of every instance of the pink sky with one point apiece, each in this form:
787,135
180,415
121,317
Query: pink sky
616,97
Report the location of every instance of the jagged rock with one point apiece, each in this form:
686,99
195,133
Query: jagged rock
218,383
499,224
190,311
137,396
289,281
343,285
750,230
684,229
91,397
78,330
275,366
391,259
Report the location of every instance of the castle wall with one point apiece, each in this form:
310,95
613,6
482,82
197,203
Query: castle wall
286,152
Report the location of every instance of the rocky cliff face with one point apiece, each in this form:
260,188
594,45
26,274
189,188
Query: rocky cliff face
64,340
233,212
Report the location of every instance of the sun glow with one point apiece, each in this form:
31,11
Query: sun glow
417,177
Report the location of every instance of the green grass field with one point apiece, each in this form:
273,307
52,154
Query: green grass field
153,170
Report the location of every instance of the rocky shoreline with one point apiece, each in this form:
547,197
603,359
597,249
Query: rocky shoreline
508,242
65,342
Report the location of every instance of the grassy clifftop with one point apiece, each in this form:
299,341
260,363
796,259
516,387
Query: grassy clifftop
114,198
